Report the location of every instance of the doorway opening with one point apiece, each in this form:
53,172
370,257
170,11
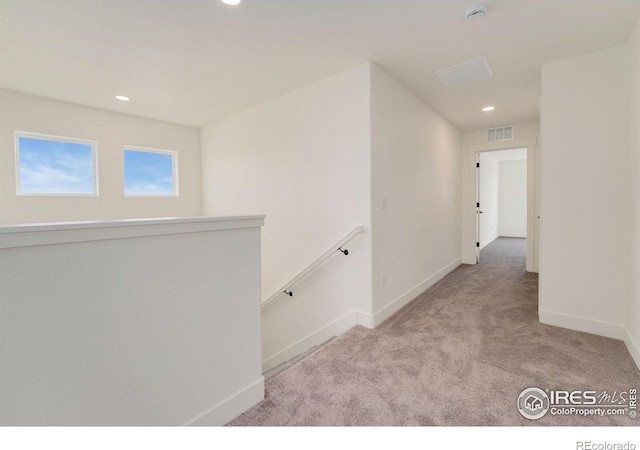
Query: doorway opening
501,203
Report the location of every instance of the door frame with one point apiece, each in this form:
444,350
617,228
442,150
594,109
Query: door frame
533,201
478,205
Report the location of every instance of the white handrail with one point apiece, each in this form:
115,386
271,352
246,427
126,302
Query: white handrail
311,267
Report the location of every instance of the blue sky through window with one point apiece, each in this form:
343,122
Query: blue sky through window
55,167
148,173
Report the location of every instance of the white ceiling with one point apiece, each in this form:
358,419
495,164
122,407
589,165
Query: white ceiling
195,61
516,154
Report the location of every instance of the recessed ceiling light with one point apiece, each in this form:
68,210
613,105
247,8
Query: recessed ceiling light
123,98
488,108
231,2
475,12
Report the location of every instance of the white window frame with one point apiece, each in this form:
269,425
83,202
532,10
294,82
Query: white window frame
51,137
174,170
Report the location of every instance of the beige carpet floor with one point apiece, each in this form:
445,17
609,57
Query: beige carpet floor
459,354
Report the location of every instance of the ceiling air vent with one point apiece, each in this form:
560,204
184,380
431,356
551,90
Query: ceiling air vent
500,134
476,69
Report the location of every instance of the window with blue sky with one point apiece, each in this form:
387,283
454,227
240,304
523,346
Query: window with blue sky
50,165
149,173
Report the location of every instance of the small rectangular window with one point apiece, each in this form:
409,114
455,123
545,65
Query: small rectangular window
150,173
500,134
52,165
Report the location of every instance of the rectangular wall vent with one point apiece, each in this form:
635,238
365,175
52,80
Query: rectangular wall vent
476,69
500,134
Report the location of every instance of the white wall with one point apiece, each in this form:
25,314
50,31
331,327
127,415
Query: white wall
302,159
416,167
112,132
585,118
632,337
130,330
523,133
489,199
513,199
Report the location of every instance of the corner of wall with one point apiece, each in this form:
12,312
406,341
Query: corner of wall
319,136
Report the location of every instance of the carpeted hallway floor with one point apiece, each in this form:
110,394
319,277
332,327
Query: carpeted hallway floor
459,354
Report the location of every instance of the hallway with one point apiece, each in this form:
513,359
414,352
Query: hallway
459,354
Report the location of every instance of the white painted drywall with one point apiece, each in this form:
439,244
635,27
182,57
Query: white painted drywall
416,167
523,132
112,132
585,118
513,199
154,330
489,199
302,159
632,324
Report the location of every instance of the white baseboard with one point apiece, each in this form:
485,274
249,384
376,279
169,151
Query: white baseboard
231,407
514,235
606,329
488,241
364,319
632,346
405,298
335,328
